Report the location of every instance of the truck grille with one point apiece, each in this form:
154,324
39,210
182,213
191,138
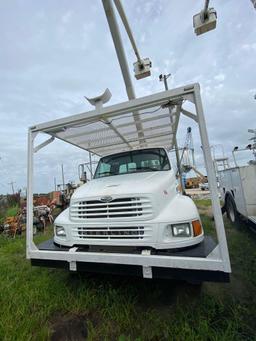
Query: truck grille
110,232
116,208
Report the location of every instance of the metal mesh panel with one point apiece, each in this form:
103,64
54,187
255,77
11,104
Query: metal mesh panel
146,128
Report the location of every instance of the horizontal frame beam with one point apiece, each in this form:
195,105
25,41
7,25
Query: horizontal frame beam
198,263
118,109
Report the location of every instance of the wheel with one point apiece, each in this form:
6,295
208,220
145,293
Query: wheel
231,210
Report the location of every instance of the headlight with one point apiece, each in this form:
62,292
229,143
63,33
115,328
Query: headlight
60,231
179,230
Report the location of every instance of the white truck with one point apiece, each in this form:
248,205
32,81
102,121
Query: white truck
238,187
130,218
132,200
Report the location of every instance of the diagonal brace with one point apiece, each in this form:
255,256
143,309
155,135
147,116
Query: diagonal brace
117,133
189,114
45,143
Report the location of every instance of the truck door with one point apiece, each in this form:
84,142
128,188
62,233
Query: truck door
237,191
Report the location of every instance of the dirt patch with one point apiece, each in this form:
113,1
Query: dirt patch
69,328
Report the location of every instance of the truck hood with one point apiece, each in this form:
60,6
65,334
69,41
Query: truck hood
146,182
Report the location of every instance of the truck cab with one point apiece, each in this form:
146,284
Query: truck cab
133,200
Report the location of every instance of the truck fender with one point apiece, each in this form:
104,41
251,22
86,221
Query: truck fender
230,208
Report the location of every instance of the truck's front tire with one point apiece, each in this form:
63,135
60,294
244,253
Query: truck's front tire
232,213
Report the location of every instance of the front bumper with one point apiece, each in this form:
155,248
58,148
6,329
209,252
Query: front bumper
140,234
151,232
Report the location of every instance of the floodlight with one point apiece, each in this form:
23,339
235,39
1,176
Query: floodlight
142,68
205,21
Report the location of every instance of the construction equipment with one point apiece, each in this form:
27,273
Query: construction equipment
187,161
11,226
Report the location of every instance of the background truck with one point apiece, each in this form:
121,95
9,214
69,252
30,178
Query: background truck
238,186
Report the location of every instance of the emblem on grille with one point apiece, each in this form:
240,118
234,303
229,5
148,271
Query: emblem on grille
107,198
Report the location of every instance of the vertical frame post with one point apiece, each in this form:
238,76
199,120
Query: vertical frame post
212,181
29,228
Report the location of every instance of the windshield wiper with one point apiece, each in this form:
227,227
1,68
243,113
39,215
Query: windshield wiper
104,173
148,168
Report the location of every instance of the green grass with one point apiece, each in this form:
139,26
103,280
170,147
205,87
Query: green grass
12,211
9,212
203,203
33,300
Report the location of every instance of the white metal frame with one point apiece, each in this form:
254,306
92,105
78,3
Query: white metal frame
218,260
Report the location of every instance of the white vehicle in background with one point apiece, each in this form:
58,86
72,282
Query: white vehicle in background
238,186
204,186
132,201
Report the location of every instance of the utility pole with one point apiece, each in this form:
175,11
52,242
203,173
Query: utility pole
12,183
55,185
62,172
90,160
164,79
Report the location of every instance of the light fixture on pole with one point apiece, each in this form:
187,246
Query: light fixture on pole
205,20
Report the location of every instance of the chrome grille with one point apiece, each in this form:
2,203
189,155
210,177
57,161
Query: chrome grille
116,208
111,232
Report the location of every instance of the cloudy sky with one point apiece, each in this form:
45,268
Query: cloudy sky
55,52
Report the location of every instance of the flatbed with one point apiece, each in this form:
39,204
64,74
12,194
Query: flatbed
97,254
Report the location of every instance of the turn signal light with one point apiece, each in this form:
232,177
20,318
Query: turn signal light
197,227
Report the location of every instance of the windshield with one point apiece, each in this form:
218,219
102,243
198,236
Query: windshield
145,160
